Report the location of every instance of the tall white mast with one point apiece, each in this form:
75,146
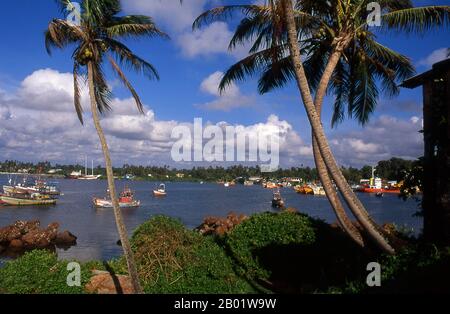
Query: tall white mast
85,166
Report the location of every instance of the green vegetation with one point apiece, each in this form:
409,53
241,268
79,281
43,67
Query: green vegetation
38,272
172,259
419,268
266,230
269,252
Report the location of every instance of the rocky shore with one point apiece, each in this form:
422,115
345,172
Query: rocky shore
28,235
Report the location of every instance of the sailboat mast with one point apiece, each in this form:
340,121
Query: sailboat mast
85,166
92,167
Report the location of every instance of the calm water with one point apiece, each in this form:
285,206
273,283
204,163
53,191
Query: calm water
189,202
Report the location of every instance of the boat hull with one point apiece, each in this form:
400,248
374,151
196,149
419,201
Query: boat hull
158,193
374,191
108,204
12,201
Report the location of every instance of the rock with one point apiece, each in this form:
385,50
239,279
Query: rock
27,235
65,238
52,231
9,233
16,245
105,283
220,226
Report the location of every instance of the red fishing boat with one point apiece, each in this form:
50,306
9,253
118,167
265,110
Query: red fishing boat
126,200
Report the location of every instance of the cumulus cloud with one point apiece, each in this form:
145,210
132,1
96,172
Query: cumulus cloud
178,19
381,139
434,57
230,99
38,122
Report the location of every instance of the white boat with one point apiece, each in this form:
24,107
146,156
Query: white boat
161,191
89,177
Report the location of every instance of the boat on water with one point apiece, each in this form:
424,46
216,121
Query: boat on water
39,186
375,186
379,194
27,199
277,200
304,189
160,191
89,177
126,200
270,185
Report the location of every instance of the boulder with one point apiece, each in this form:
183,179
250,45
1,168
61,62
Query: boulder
16,245
9,233
27,235
105,283
220,226
65,238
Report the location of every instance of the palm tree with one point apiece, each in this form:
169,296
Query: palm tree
96,41
339,48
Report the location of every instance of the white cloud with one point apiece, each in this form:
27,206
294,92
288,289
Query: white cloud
38,122
434,57
178,19
381,139
230,99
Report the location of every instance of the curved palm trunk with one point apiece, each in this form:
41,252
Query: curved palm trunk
355,205
112,189
342,218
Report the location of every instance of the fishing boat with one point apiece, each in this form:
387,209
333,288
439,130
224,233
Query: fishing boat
270,185
39,186
161,191
277,201
304,189
27,199
89,177
126,200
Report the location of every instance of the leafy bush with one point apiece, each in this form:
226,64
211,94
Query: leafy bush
38,272
173,259
419,268
265,231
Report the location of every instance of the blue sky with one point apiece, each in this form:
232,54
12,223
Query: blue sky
184,63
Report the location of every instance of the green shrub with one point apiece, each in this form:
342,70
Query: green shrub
422,268
267,232
173,259
38,272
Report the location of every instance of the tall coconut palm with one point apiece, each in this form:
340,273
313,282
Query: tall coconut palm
339,47
96,42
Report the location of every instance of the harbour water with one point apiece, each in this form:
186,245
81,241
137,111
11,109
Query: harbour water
189,202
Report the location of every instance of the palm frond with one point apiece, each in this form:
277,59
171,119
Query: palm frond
61,33
127,58
225,12
416,20
133,26
127,84
102,92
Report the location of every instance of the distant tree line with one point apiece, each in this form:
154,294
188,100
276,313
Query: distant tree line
392,169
